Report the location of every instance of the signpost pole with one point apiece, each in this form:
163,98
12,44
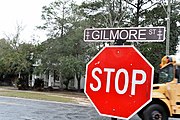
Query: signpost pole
168,26
118,42
113,118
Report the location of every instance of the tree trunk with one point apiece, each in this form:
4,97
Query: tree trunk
78,76
137,14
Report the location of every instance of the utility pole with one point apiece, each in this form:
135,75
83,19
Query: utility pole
168,26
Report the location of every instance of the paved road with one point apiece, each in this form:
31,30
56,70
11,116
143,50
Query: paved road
22,109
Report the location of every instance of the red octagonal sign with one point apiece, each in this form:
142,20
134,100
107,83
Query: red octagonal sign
119,81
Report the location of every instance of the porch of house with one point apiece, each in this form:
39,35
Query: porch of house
51,80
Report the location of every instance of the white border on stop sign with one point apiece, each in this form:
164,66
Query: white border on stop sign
152,75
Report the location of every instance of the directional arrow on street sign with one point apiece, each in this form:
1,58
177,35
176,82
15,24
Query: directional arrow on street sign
131,34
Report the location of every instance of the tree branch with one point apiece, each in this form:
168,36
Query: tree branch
149,7
130,3
144,3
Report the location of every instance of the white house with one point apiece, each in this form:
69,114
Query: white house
51,79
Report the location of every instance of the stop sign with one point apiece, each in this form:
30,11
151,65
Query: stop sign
119,81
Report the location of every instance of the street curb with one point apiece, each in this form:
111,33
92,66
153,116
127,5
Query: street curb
55,102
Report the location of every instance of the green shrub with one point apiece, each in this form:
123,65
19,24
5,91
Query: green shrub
22,84
38,84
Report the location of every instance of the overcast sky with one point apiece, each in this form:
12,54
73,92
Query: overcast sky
23,12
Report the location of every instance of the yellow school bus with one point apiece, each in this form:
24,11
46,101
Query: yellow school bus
166,92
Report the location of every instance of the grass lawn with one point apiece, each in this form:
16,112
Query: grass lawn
37,95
